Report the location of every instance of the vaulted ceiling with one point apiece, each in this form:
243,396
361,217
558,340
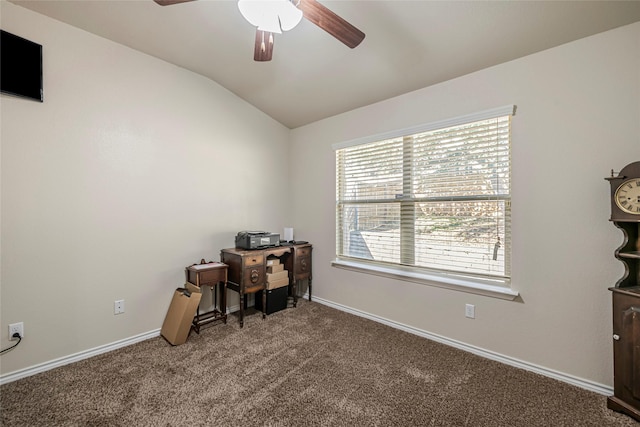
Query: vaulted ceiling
408,44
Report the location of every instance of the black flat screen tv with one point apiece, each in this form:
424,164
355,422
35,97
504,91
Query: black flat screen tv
20,67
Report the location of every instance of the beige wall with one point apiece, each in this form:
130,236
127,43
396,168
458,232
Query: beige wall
578,116
129,171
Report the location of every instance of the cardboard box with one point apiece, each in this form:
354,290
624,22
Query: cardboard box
278,283
272,277
276,300
182,310
273,261
275,268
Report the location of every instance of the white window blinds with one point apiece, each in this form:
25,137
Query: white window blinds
436,199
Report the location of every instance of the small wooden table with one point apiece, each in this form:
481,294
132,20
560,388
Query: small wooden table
214,275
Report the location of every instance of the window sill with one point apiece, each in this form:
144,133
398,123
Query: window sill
487,287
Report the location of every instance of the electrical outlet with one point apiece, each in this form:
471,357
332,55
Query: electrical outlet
16,328
118,306
470,311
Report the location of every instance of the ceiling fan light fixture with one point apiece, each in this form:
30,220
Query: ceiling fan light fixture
270,23
273,16
289,15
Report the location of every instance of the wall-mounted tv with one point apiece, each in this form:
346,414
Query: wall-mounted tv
20,67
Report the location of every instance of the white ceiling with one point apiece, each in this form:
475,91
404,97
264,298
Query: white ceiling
408,44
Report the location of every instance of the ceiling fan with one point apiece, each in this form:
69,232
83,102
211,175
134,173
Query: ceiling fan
275,16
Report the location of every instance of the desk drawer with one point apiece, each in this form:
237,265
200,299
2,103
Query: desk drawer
253,276
212,276
303,252
303,265
257,259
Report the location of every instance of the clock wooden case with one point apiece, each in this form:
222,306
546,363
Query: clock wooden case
625,215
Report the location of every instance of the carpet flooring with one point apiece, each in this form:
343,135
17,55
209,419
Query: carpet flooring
307,366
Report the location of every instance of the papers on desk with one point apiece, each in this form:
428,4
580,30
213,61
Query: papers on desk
206,266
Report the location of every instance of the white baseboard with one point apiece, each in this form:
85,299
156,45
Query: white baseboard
570,379
76,357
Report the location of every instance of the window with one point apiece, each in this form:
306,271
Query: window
435,198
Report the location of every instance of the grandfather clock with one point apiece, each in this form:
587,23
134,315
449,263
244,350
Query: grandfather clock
625,214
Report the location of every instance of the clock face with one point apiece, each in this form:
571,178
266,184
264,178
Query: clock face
627,196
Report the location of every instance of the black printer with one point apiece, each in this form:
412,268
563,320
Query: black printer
256,239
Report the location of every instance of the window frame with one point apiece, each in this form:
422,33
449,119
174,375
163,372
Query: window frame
499,287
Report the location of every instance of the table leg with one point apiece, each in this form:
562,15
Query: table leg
195,323
223,300
295,293
309,288
214,295
242,303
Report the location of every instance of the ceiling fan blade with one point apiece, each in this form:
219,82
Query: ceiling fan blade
170,2
331,23
263,50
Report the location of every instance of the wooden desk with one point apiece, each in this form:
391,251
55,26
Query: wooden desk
214,275
247,270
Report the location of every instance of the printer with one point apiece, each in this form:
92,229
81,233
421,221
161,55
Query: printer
257,240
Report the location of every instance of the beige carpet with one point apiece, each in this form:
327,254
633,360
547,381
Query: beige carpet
308,366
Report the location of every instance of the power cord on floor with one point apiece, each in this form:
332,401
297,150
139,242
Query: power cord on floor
16,335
